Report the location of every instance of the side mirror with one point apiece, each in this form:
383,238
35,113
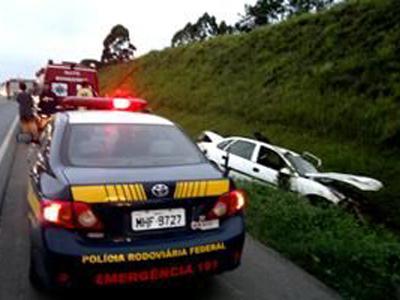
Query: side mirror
284,179
203,138
315,160
285,172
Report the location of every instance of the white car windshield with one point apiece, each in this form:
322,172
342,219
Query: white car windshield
129,145
301,165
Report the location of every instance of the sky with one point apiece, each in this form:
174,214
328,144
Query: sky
33,31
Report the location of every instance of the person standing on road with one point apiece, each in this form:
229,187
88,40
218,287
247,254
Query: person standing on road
85,90
26,112
47,105
8,89
35,93
47,101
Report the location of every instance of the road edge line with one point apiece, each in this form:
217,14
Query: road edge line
8,143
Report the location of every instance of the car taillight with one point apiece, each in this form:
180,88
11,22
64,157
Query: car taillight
85,217
70,215
228,204
57,213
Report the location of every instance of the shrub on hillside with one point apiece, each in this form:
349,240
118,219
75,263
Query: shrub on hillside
360,261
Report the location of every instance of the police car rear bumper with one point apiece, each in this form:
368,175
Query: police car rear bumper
69,260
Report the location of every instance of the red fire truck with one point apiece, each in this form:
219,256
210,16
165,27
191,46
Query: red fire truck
66,79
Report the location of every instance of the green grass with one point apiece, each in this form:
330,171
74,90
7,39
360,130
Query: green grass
359,261
343,156
327,83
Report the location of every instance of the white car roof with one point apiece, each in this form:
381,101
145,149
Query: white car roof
115,117
276,148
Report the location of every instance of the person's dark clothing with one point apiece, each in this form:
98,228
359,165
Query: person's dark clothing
48,103
25,102
260,137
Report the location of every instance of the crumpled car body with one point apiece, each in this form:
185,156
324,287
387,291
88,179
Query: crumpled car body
255,160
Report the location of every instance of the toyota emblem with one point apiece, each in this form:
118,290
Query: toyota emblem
160,190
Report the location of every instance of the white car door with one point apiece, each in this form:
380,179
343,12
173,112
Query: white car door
240,154
217,153
268,163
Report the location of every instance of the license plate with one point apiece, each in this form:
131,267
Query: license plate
158,219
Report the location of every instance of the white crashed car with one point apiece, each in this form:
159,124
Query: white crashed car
249,159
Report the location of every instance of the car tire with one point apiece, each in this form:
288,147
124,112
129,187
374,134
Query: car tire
197,283
355,208
35,279
319,201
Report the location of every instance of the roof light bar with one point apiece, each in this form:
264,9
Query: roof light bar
119,103
104,103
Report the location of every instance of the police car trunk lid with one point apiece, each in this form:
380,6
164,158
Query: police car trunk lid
116,195
92,176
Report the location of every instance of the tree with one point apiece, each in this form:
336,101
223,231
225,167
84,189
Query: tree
224,28
117,46
91,63
303,6
205,28
265,12
184,36
323,4
262,13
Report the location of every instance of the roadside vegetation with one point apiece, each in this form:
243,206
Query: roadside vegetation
328,83
359,261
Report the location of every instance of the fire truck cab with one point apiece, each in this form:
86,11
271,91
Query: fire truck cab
66,79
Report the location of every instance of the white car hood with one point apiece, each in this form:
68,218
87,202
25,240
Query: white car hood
360,182
216,138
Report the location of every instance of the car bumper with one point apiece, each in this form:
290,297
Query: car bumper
67,260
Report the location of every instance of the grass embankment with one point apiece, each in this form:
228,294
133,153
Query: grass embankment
359,261
327,83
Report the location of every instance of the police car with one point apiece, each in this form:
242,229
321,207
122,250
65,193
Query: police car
122,197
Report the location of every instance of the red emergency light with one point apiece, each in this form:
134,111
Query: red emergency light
104,103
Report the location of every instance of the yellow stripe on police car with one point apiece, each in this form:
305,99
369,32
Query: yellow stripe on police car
109,193
195,189
136,192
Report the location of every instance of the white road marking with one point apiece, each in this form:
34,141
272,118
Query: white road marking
7,140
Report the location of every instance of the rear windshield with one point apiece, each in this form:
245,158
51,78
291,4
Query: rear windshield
129,145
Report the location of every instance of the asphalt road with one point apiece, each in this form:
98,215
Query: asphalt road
8,110
263,274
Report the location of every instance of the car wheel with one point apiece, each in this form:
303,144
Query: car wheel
198,283
354,208
34,277
36,281
319,201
